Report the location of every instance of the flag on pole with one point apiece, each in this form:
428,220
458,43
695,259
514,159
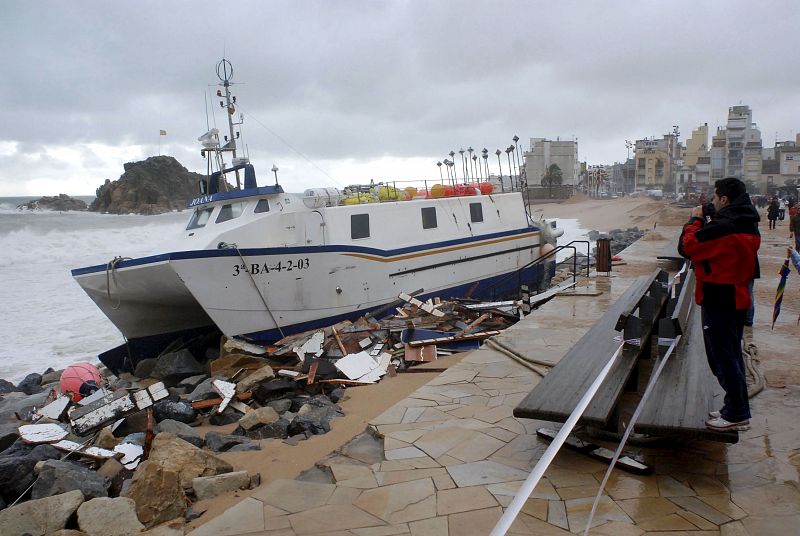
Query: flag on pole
162,132
784,273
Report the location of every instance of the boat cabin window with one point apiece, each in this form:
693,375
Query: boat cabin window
199,218
429,218
476,212
359,226
262,206
229,212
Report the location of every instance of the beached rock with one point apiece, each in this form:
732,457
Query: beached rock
245,447
41,516
275,430
192,382
272,390
255,378
145,367
185,459
7,387
280,406
136,438
177,411
308,425
51,376
257,417
228,416
157,492
31,384
56,477
105,439
109,517
60,202
180,429
203,391
173,367
206,487
17,468
132,424
336,395
222,442
153,186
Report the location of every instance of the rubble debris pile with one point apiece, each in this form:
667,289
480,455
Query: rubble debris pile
131,444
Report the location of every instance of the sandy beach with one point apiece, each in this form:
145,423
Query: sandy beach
362,405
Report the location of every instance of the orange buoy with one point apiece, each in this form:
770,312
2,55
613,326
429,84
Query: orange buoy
79,380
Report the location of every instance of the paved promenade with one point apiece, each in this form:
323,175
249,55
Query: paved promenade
447,459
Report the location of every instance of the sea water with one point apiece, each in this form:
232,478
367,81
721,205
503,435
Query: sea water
47,319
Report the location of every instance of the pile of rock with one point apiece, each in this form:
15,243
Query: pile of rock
154,186
60,202
619,239
154,466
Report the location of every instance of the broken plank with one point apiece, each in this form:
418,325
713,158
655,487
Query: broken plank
454,338
41,433
203,404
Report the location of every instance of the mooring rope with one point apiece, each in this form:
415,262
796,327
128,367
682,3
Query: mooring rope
111,274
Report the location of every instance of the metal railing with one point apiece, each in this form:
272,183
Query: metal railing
541,259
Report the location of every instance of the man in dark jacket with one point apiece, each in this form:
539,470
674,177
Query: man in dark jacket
724,254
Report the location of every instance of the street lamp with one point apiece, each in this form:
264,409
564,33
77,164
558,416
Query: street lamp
500,165
275,171
440,171
452,156
469,163
475,165
463,166
485,153
510,167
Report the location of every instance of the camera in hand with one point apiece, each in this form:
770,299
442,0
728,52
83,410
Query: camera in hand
708,210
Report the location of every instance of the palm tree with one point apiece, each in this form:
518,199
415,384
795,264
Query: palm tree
552,176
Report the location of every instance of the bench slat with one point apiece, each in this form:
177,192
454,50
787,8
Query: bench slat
556,396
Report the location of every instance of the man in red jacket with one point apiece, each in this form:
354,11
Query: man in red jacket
724,252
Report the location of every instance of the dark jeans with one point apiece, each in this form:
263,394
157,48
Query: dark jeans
751,313
722,334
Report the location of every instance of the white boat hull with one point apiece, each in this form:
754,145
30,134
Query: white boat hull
264,293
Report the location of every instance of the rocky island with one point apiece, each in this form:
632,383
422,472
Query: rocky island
60,202
156,185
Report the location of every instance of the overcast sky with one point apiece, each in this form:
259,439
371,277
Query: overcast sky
336,92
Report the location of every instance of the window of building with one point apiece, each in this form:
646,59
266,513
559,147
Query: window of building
359,226
262,206
229,212
642,162
476,212
429,218
199,218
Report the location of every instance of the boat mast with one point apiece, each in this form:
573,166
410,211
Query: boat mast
225,74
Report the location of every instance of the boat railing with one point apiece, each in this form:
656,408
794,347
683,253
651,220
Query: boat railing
542,258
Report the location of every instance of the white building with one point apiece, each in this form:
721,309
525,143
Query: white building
543,153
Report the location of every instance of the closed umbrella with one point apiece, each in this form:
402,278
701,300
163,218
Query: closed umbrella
784,273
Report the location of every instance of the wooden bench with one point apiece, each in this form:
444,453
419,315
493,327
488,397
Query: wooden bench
635,313
686,390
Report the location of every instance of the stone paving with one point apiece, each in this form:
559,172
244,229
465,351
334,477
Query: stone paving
449,458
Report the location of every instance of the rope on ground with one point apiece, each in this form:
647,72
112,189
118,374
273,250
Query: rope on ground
539,367
629,429
505,522
752,364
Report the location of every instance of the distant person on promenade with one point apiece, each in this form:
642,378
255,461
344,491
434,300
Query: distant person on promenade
794,228
772,211
724,254
794,256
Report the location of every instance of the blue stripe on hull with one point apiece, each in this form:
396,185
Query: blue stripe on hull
247,252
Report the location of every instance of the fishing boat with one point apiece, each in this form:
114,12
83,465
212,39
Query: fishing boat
259,263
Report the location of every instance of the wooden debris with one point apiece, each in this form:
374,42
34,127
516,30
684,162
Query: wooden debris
55,409
226,390
204,404
35,434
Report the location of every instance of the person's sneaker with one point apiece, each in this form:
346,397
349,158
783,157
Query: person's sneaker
714,414
722,425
